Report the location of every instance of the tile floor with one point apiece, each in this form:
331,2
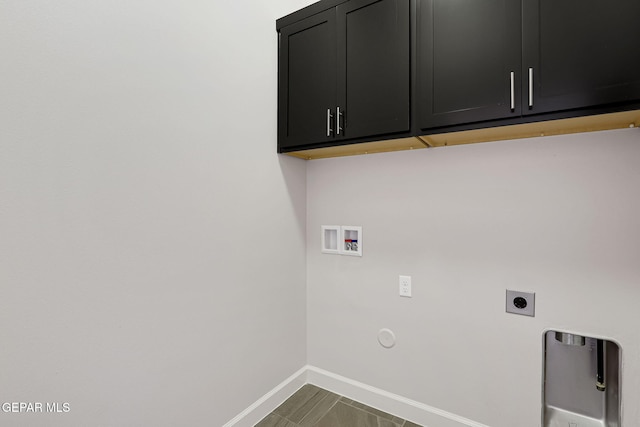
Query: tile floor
312,406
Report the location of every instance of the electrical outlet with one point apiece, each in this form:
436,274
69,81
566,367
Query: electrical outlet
405,286
521,303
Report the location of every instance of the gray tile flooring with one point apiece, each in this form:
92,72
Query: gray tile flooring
312,406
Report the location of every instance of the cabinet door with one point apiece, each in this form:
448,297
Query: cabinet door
373,67
469,52
581,53
307,81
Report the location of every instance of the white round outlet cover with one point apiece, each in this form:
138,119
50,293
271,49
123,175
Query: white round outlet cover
386,338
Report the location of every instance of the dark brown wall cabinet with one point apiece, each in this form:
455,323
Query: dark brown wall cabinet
481,60
579,53
368,70
344,74
468,61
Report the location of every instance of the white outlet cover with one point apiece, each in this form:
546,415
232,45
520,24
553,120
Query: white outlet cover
404,286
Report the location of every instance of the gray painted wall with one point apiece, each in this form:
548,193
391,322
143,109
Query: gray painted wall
152,243
152,261
557,215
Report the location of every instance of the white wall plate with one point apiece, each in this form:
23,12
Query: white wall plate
331,235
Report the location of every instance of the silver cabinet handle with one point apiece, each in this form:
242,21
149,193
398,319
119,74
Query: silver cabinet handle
513,95
530,87
329,117
338,115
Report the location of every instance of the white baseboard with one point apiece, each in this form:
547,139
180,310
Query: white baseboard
402,407
270,401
